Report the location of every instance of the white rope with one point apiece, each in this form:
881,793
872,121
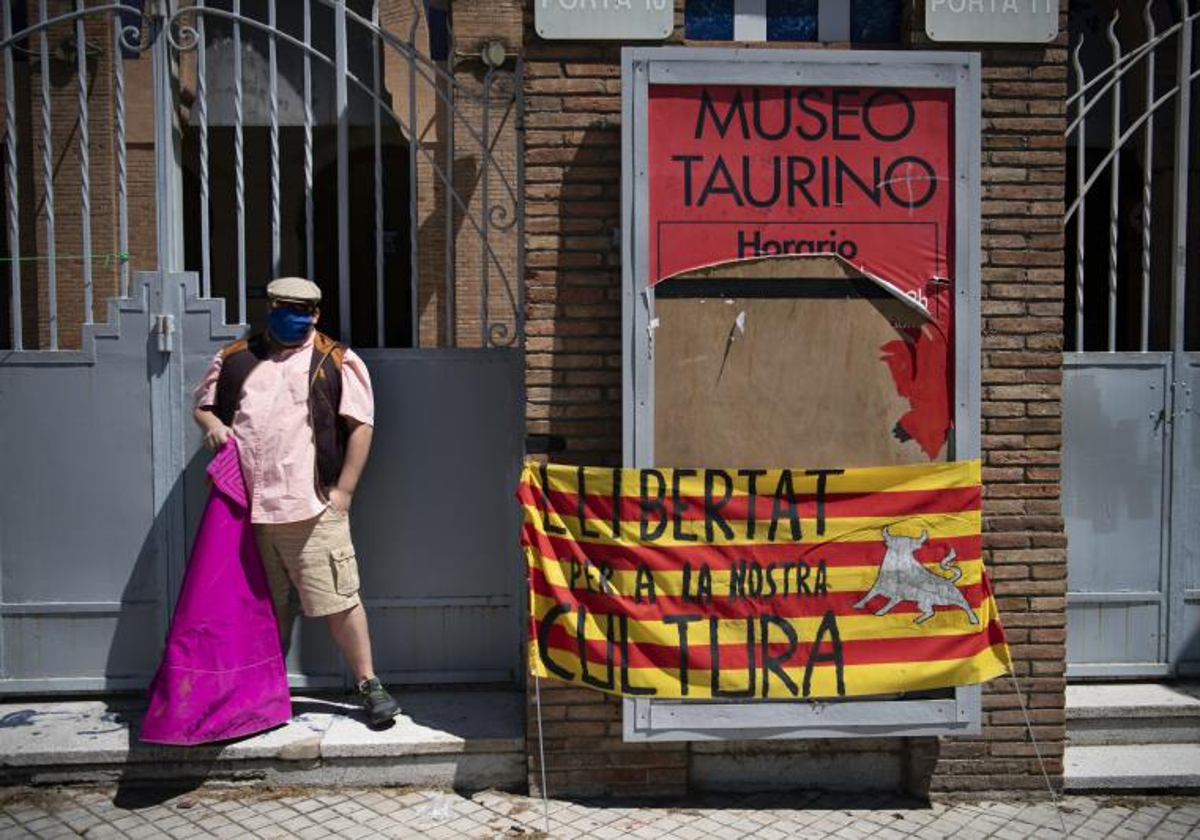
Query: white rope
1038,752
537,693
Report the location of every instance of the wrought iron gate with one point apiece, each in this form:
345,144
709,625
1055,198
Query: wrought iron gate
1131,433
162,163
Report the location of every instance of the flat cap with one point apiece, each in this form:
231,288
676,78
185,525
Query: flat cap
294,288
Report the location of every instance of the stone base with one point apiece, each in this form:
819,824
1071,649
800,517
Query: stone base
467,740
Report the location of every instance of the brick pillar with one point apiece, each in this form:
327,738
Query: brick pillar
573,368
1024,160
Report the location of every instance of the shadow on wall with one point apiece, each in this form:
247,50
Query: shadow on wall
435,273
134,655
572,302
141,781
131,654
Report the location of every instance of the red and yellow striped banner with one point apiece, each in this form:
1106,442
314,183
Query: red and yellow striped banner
759,583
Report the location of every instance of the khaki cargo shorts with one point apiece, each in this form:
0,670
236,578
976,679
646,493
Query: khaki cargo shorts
317,557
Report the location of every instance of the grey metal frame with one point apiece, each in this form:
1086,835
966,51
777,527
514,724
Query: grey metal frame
89,392
118,410
1111,369
1185,517
663,720
1171,411
137,366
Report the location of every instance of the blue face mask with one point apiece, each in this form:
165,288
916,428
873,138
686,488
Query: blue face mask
289,326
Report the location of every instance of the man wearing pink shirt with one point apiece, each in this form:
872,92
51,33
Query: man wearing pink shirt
301,408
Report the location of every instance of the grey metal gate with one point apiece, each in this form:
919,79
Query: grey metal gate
1131,434
163,162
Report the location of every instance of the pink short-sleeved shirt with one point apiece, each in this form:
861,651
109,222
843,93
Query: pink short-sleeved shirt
273,433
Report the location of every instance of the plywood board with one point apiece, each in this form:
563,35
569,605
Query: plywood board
780,365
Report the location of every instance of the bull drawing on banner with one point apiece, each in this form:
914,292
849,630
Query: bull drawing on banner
902,578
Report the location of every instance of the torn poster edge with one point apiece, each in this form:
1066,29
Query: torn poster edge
901,295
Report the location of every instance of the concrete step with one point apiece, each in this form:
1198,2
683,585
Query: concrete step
468,740
1133,713
1124,767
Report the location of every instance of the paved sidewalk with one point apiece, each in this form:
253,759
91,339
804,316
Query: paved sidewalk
245,813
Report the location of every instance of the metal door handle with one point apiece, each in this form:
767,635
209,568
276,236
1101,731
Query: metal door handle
164,328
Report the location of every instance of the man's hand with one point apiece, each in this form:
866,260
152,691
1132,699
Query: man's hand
215,436
215,432
339,500
357,447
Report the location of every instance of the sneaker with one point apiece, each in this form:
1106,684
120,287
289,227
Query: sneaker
381,706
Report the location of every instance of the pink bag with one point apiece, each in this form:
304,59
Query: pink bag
222,674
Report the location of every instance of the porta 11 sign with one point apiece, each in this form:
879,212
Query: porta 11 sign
992,21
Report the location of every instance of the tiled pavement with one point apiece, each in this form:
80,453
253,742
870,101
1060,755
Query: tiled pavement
245,813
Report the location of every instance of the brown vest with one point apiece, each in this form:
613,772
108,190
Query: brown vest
324,396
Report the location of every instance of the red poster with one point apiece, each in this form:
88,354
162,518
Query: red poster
866,174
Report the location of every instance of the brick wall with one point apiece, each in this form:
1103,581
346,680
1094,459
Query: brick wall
573,366
66,180
573,271
1024,542
573,285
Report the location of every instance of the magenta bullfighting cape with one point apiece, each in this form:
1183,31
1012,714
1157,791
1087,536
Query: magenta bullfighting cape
222,674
